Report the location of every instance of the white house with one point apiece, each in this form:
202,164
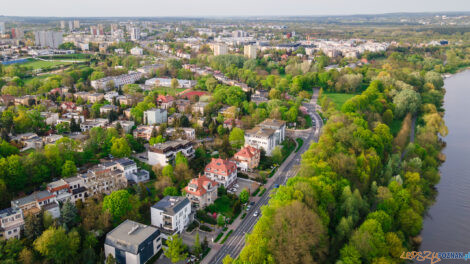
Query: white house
137,51
164,153
171,214
155,116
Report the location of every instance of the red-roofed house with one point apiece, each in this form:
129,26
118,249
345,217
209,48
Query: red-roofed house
221,171
68,106
201,191
165,102
247,158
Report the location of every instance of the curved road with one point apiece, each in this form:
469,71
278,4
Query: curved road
288,169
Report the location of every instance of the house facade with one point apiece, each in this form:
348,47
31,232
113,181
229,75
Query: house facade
201,191
221,171
164,153
247,158
172,215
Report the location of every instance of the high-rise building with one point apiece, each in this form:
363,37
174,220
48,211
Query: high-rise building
250,51
76,24
2,28
62,24
51,39
93,30
220,49
70,25
100,29
238,34
17,33
135,33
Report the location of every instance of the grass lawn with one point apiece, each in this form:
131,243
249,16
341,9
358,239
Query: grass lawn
169,90
41,77
38,64
338,98
222,205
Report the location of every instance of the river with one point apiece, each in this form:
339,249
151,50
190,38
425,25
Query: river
445,228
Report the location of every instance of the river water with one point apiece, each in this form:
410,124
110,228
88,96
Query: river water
446,227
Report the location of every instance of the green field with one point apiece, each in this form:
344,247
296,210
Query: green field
338,98
39,64
168,90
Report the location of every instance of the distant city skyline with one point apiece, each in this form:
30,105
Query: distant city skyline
211,8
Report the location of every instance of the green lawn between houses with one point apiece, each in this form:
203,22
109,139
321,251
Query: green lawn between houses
338,98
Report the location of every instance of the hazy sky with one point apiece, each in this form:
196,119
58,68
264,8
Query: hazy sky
222,7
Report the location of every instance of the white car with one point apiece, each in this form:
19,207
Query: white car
255,214
236,186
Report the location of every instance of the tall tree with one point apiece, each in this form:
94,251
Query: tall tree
58,246
175,250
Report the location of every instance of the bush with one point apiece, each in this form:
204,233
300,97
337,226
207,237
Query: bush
205,228
262,192
226,237
219,236
191,226
256,192
201,215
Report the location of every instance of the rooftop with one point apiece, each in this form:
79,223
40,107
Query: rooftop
129,235
171,204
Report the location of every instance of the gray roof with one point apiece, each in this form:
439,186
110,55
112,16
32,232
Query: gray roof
8,211
125,162
171,204
129,235
32,197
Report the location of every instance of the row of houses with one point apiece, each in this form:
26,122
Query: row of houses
103,178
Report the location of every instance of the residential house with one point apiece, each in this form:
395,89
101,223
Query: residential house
201,191
50,118
60,189
261,138
222,171
199,107
165,102
11,223
104,178
106,109
144,132
247,158
126,125
95,97
164,153
109,96
68,106
77,188
33,203
129,168
155,116
182,105
188,133
172,215
133,243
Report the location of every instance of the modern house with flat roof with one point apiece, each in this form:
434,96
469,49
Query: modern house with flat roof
11,223
172,215
164,153
133,243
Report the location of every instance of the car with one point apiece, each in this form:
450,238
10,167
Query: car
276,185
255,214
236,186
248,207
252,203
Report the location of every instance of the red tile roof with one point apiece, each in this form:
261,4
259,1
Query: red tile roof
247,152
221,167
165,99
201,184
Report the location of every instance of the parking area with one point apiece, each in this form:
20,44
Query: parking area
242,184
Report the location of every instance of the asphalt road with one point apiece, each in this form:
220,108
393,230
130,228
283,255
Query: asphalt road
289,168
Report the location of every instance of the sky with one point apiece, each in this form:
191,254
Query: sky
210,8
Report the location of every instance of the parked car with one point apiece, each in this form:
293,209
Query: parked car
276,185
255,214
248,207
252,203
236,186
